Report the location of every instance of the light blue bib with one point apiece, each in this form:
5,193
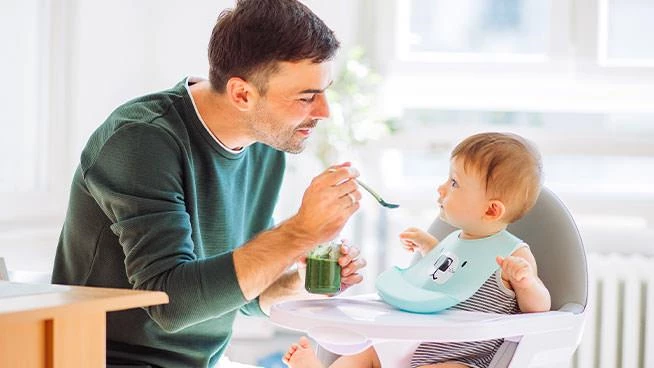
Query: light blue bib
449,274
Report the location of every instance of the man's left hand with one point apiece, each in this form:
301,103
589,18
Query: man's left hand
350,263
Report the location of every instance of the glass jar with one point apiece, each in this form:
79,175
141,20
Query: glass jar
323,274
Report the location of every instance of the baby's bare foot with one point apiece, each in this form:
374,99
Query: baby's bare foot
300,355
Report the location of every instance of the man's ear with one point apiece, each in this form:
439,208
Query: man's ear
495,210
240,93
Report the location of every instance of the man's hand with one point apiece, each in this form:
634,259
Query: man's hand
415,239
327,204
290,286
350,265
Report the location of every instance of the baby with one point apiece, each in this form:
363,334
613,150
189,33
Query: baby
495,178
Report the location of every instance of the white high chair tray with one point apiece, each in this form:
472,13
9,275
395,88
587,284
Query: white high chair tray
355,320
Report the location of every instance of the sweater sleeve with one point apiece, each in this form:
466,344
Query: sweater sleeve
253,308
136,177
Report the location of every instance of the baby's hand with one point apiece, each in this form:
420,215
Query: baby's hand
414,238
517,272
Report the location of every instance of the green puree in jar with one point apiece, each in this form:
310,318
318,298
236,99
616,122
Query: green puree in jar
323,271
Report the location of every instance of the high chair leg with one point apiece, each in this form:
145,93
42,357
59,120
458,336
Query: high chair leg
325,356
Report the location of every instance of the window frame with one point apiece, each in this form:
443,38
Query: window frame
42,206
603,39
528,85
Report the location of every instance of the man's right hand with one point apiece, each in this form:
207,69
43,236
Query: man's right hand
327,204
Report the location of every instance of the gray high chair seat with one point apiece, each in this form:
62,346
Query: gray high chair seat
531,340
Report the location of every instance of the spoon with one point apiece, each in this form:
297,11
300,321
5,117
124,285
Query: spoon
377,197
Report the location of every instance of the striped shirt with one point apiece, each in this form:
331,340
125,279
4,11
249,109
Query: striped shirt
492,297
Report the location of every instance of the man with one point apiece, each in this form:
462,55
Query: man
175,190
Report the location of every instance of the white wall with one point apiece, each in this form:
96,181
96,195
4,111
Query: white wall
119,54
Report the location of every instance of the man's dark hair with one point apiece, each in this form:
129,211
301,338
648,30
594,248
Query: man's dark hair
249,40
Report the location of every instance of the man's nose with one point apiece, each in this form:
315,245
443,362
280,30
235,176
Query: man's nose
321,107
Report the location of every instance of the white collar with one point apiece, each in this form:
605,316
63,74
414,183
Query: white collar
192,80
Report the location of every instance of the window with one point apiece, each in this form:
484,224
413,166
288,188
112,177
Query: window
34,131
605,179
21,35
624,26
34,127
542,69
438,29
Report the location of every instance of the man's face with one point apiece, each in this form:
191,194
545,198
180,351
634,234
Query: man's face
294,103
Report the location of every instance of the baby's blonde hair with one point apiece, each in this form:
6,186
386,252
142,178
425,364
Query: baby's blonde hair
509,165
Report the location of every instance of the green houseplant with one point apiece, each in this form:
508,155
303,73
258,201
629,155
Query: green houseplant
355,117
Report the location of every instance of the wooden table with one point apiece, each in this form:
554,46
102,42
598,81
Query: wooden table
60,326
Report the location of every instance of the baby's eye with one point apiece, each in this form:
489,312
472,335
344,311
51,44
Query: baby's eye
453,183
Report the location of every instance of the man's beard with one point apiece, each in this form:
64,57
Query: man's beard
300,144
266,131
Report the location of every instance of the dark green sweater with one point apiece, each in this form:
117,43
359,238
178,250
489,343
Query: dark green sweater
158,204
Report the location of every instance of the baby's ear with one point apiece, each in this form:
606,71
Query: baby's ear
495,210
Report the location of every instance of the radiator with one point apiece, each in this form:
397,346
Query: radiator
619,330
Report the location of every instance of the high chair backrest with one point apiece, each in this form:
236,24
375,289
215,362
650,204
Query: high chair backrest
553,238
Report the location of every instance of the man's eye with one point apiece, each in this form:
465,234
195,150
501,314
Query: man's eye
309,99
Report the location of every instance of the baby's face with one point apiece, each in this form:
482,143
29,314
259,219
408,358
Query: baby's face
462,198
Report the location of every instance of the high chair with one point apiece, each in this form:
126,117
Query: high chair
348,325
